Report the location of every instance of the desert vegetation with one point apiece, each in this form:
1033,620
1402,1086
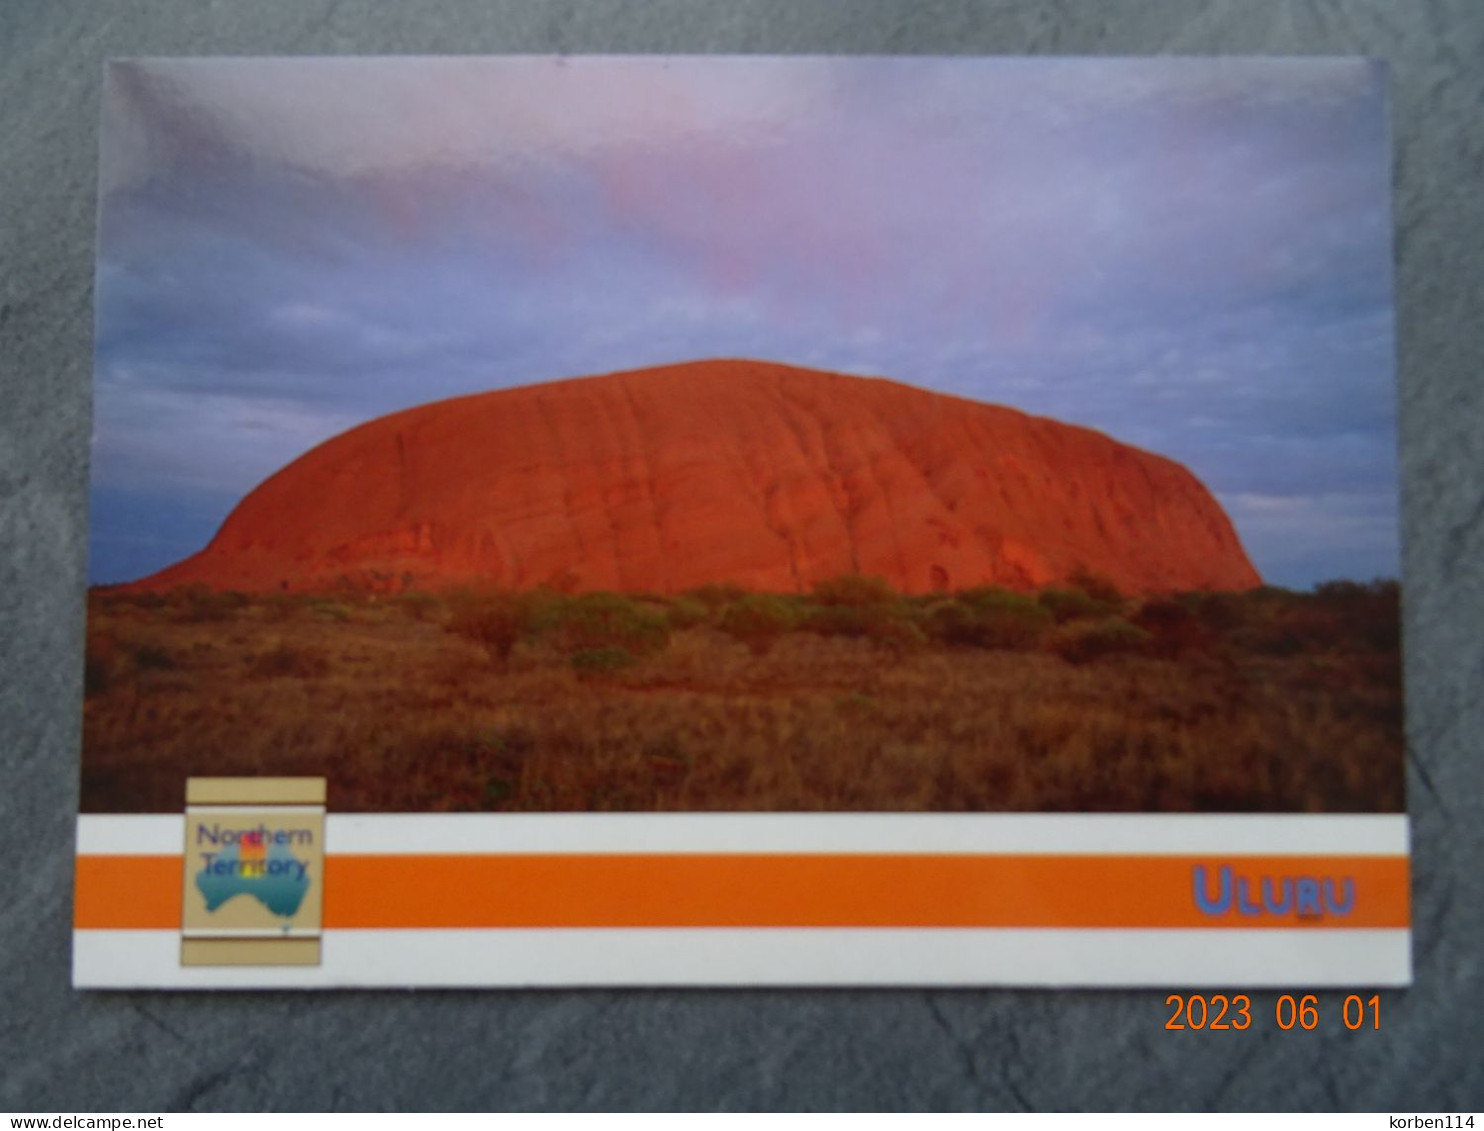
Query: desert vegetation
849,697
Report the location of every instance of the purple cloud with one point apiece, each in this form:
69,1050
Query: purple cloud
1192,255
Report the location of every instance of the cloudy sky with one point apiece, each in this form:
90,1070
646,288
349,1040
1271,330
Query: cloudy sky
1193,256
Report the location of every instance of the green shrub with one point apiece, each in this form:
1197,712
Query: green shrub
853,590
1282,622
1371,611
1338,616
1174,629
602,620
332,611
1345,592
950,622
687,612
495,621
887,625
1219,612
1084,642
421,606
607,660
716,594
757,620
996,597
1067,605
995,619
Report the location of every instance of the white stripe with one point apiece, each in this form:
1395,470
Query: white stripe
889,833
269,933
1176,959
130,834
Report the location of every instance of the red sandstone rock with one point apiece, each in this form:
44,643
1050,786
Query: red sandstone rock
660,480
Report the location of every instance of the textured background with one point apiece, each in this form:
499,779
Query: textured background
61,1050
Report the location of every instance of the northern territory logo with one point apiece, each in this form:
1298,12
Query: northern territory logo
254,871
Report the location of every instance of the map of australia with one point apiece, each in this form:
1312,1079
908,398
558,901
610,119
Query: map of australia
268,872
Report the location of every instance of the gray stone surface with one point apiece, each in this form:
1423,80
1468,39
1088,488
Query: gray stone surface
67,1051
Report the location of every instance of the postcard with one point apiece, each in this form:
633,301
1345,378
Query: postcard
743,520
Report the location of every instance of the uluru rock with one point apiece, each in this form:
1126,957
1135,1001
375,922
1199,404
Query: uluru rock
773,477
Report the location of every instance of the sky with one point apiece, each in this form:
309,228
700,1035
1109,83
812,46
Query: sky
1191,255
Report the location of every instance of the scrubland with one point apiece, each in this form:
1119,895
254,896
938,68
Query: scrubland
852,697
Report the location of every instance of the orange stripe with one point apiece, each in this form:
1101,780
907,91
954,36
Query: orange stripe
127,892
760,891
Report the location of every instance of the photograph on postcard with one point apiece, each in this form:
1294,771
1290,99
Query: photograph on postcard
747,435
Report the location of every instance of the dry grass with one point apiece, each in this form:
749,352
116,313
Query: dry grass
1269,702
